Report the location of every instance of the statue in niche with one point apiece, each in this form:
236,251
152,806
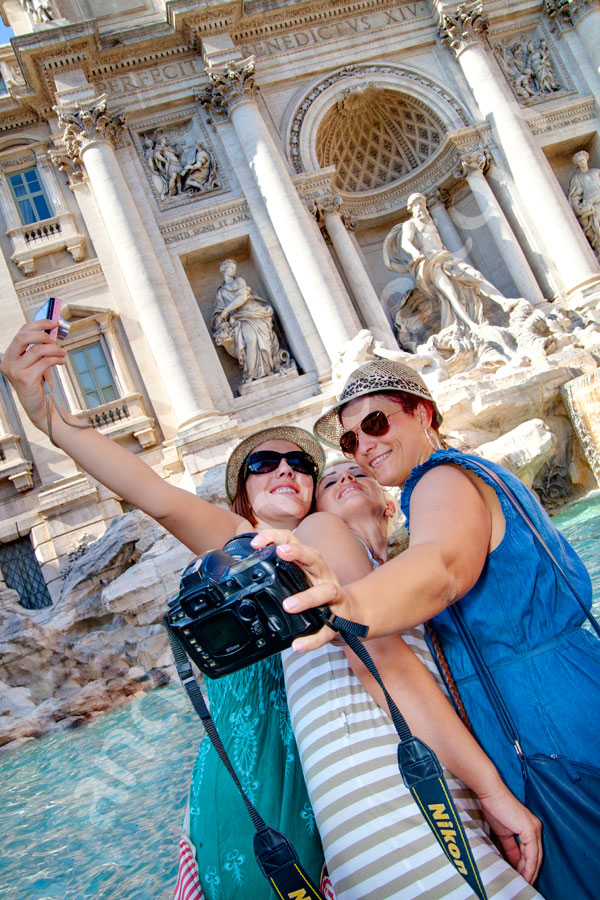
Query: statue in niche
40,11
171,176
584,197
242,324
416,246
465,337
528,67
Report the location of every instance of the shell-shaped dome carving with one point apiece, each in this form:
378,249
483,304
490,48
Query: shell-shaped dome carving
374,136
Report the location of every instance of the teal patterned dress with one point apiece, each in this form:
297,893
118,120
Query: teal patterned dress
251,714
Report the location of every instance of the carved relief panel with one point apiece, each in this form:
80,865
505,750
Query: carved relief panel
532,67
179,160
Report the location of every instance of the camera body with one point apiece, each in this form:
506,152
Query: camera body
228,612
50,310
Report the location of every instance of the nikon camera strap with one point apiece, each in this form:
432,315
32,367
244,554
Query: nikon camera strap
274,853
421,772
419,766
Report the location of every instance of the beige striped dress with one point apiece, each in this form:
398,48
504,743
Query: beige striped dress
377,843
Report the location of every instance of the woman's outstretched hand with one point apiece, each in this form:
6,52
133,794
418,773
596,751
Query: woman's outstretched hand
27,364
507,817
326,588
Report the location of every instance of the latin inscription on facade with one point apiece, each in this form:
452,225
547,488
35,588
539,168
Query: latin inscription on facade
329,31
162,74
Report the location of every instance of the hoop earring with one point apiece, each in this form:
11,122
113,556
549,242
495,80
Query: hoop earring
430,442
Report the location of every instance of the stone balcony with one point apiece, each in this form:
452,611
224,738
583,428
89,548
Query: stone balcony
122,418
30,242
13,466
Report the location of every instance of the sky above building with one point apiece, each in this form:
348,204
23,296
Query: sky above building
5,34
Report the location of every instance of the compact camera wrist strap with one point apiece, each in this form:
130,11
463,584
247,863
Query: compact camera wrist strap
419,766
275,855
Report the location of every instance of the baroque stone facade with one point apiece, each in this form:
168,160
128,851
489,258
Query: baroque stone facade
141,149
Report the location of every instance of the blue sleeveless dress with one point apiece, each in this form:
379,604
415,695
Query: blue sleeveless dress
250,711
527,624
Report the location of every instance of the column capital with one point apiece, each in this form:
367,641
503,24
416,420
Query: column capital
228,86
478,161
80,128
465,27
326,204
564,14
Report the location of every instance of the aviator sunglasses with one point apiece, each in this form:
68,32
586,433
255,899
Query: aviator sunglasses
263,461
375,424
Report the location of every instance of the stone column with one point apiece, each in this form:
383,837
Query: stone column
465,33
584,17
436,204
472,167
332,220
232,92
89,139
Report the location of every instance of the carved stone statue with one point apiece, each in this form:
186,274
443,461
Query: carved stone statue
458,288
465,337
39,10
539,60
584,197
531,330
170,175
200,174
528,67
242,324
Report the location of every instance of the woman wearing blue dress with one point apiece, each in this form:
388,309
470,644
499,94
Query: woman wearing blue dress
468,545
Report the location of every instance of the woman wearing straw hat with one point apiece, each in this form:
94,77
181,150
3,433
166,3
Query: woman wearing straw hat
471,546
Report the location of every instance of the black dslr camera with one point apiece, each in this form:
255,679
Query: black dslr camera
228,612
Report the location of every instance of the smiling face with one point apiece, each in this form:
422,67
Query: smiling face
345,490
283,497
390,457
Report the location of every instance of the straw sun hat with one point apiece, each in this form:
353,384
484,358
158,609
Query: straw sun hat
373,377
292,433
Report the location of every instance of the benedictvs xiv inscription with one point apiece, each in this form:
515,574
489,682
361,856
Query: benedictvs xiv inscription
329,31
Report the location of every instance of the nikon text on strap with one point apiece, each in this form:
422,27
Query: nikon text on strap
274,853
421,772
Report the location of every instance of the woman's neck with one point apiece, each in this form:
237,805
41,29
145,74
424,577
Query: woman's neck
374,533
290,523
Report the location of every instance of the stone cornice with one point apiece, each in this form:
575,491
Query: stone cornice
41,54
212,218
29,291
249,26
561,115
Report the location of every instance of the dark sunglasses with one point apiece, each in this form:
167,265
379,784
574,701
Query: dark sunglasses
375,424
263,461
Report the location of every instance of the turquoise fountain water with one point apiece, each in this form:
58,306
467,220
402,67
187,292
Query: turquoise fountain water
95,812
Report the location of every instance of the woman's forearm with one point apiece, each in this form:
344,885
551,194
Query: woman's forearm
198,524
427,711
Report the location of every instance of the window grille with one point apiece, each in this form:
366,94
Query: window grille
93,375
21,572
30,197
